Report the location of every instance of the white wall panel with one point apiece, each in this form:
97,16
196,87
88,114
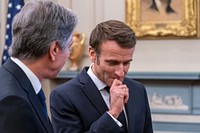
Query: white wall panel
85,12
114,9
65,3
99,11
3,6
167,56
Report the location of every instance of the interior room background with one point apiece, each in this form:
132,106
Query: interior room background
163,56
166,55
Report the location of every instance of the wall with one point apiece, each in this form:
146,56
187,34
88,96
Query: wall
150,55
2,25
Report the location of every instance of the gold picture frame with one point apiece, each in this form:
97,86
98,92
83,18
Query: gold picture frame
151,23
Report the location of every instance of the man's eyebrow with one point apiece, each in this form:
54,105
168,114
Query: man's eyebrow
129,60
109,60
112,60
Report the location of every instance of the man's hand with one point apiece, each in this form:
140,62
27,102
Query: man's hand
119,95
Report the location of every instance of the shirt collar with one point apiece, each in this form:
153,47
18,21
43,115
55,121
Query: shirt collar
32,77
99,84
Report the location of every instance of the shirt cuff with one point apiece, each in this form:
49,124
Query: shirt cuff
117,122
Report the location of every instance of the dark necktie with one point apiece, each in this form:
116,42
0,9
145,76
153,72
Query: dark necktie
107,88
42,99
121,117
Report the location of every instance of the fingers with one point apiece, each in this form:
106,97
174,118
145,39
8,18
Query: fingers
119,94
116,82
120,90
125,93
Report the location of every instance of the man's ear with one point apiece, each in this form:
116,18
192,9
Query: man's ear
92,54
53,50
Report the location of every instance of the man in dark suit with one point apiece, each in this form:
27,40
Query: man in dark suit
101,99
42,35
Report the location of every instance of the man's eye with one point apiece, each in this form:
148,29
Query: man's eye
112,63
126,63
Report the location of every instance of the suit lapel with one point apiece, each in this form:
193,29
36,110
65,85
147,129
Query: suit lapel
129,109
28,88
130,116
39,110
91,91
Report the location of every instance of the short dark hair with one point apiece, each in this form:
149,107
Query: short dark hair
112,30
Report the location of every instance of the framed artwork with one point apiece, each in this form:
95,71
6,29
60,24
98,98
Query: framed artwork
154,19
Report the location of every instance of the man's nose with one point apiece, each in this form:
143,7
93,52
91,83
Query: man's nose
120,71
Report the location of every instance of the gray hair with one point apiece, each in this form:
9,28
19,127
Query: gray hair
37,25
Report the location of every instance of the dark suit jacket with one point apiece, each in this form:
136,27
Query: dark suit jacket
77,106
20,109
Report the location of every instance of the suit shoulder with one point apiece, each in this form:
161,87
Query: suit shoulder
69,86
75,83
12,88
133,82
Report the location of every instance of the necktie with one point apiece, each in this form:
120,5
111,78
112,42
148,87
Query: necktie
107,88
42,99
121,117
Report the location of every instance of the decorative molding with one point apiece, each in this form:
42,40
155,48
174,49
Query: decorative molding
168,102
147,75
176,118
184,23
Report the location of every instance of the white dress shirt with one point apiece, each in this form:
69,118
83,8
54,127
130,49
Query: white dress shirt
31,76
